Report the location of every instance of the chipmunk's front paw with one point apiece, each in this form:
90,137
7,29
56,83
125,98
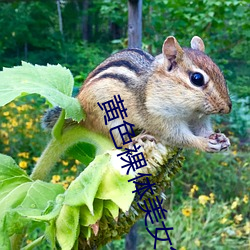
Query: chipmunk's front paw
218,142
141,138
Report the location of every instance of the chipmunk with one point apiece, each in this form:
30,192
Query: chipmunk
169,97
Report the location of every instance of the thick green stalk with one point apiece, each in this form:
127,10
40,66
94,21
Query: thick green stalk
57,147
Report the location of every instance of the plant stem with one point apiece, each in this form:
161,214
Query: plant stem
57,147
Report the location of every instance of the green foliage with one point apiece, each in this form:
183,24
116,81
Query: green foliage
52,82
30,32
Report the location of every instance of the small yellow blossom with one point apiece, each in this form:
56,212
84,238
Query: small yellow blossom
186,211
247,227
223,235
223,220
245,199
197,242
235,203
211,195
224,164
55,178
6,113
77,162
4,134
65,163
182,248
192,190
24,154
238,233
238,218
35,159
65,185
73,168
234,152
29,124
23,164
12,105
70,178
203,199
14,123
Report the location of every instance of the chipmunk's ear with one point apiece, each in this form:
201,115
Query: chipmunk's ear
171,49
197,43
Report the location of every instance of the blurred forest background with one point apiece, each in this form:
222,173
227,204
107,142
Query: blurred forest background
208,203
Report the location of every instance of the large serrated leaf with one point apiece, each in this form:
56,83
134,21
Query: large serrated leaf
9,184
86,218
53,82
112,208
116,187
83,189
39,194
9,168
67,226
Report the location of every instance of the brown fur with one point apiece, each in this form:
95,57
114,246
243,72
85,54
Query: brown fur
158,94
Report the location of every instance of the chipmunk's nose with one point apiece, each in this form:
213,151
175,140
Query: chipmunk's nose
226,109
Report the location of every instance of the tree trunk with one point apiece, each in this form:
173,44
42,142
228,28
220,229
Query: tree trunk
85,20
59,16
135,23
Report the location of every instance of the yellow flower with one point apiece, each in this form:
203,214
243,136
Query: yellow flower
238,233
235,203
55,178
192,190
247,228
223,235
182,248
70,178
223,220
238,218
24,154
73,168
186,211
211,195
23,164
197,242
203,199
234,152
65,163
6,113
14,123
65,185
77,162
35,159
245,199
29,124
225,164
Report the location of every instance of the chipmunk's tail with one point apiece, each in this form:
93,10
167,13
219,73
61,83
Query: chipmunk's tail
50,117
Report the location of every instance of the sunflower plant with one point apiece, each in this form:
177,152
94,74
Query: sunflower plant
98,205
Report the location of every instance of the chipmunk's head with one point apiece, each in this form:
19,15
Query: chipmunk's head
197,77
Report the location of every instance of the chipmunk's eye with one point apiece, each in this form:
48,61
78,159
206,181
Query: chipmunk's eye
197,79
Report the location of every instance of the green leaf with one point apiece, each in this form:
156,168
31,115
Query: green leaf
112,208
67,226
53,82
39,194
83,189
86,218
6,186
9,168
34,243
116,187
58,127
83,152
